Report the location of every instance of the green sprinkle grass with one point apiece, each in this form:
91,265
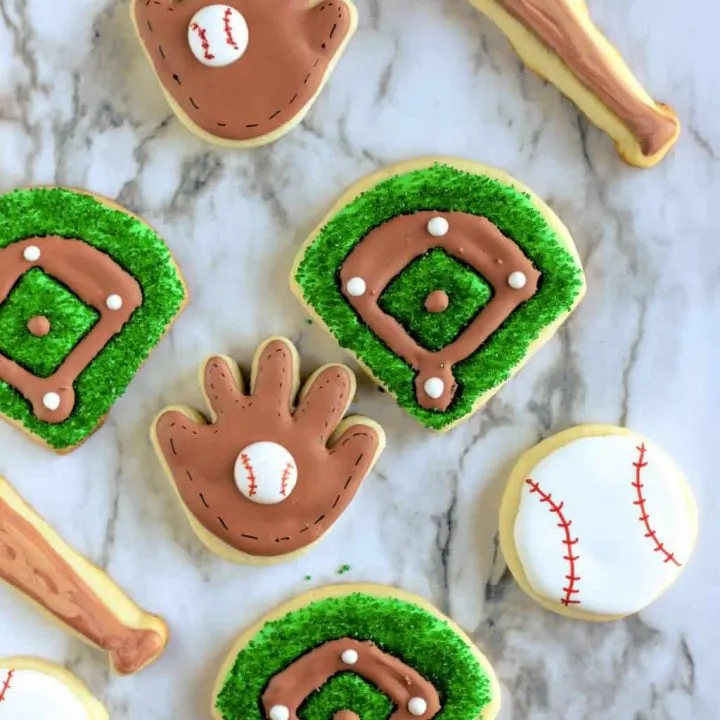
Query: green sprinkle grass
39,212
402,629
442,188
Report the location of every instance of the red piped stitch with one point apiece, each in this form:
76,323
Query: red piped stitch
569,542
640,502
202,34
252,480
285,477
228,30
6,685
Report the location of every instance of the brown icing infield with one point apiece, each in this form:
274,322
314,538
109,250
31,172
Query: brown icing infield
202,457
39,326
92,276
291,46
557,26
390,675
474,240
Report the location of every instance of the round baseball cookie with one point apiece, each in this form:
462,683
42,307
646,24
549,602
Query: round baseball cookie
442,277
32,689
596,522
557,40
270,473
87,290
356,651
245,72
66,587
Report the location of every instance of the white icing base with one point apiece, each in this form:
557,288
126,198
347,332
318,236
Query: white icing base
32,695
266,473
619,569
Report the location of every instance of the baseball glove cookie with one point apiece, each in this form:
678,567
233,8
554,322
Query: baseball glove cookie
87,290
596,522
442,277
557,40
35,561
265,479
246,72
33,689
356,651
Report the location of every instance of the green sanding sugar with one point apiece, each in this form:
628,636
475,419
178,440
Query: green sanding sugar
444,189
421,640
344,569
40,212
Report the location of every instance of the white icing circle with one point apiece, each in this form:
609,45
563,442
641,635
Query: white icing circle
51,401
32,695
604,525
417,706
279,712
114,302
350,657
266,473
434,387
438,227
517,280
218,35
356,287
31,253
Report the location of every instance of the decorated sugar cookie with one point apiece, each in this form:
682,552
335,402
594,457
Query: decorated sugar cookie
558,40
86,292
356,651
246,72
269,475
597,522
442,277
35,561
33,689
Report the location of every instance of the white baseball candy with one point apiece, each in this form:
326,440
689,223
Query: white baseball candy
604,525
417,706
266,473
31,253
438,227
51,401
350,657
279,712
114,302
517,280
434,387
356,287
218,35
32,695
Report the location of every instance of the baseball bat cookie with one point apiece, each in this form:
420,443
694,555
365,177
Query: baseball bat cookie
35,561
597,522
442,277
87,290
356,651
243,73
558,41
266,478
32,689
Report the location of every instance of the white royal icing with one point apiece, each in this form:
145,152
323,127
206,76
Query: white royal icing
434,387
51,401
356,286
31,253
582,536
218,35
517,280
32,695
279,712
265,473
438,227
350,657
114,302
417,706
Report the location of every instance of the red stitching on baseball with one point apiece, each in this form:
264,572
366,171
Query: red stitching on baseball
569,541
640,502
252,480
285,477
228,30
6,685
201,32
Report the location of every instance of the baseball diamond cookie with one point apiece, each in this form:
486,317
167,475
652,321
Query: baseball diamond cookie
558,41
246,72
37,562
87,290
356,651
442,277
32,689
266,478
596,522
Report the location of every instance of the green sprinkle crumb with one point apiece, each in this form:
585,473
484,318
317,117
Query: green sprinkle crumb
344,569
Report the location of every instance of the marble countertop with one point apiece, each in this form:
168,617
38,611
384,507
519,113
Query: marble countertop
79,106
